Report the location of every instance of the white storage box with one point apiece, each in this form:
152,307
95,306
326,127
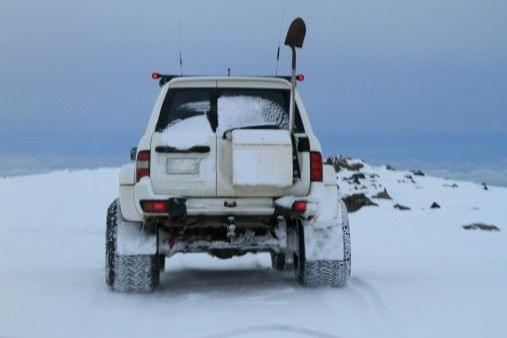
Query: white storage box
261,158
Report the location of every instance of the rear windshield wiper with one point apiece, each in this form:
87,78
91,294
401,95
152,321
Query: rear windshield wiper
252,126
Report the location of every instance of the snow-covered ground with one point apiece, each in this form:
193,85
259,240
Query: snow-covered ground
415,273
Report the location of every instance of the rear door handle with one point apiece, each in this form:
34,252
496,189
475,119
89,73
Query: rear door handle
232,204
173,150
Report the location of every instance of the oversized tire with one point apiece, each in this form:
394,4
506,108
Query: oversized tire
323,272
127,273
278,261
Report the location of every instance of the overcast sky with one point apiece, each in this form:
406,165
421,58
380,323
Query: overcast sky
399,81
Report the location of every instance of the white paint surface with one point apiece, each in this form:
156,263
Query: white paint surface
261,158
187,133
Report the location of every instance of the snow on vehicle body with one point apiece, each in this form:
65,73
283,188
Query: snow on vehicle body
230,184
251,166
227,165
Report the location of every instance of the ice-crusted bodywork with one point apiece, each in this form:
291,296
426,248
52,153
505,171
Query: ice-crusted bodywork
228,177
323,223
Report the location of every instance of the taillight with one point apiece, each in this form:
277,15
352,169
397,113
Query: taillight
299,206
154,206
315,166
143,164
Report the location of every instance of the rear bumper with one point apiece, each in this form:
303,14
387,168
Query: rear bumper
131,195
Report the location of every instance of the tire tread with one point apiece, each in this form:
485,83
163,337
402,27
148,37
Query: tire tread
127,273
326,272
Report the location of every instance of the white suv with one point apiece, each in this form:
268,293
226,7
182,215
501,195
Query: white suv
218,170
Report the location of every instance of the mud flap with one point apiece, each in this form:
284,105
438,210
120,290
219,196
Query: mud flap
323,243
324,237
133,239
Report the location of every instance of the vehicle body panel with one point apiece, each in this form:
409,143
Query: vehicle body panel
199,191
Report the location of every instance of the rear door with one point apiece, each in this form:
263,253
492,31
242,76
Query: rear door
257,153
183,147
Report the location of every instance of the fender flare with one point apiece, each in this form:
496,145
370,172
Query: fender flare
324,234
324,239
133,239
127,181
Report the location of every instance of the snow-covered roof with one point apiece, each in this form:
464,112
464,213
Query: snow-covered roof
231,81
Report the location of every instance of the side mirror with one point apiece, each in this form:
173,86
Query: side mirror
133,153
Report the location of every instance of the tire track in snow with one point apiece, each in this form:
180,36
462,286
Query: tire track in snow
92,313
372,297
266,329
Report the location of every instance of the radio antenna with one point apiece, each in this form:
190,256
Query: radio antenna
280,36
179,41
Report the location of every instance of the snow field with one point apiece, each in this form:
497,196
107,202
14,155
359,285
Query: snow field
415,273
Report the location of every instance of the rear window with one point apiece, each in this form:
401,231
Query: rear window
228,108
247,107
183,104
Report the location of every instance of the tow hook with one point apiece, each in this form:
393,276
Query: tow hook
231,228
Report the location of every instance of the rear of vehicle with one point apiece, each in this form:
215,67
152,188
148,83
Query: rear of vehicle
219,171
224,139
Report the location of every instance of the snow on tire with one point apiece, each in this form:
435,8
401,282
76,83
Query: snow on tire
324,272
127,273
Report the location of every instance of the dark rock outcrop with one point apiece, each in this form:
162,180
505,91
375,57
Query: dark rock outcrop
357,201
484,186
481,226
417,172
383,195
435,205
401,207
356,177
410,178
339,163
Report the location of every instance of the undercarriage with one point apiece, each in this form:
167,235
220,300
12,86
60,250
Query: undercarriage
221,236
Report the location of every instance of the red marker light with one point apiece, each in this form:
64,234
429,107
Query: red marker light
154,206
299,206
316,169
300,77
143,164
155,76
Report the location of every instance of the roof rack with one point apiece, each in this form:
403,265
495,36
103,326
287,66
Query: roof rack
164,78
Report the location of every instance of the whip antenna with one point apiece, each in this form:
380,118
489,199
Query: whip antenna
280,36
179,41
